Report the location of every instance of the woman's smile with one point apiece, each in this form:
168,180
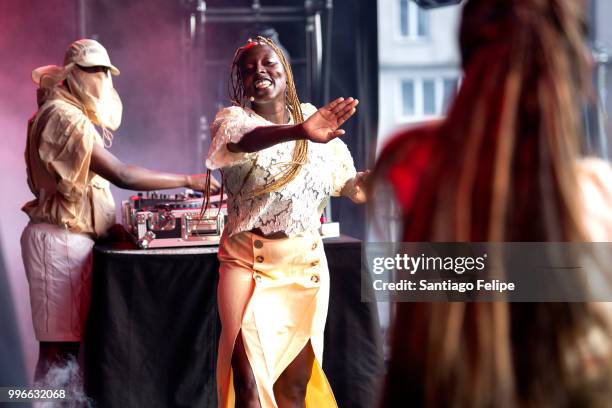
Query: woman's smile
263,83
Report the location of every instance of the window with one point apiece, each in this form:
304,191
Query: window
448,92
429,97
422,22
414,21
408,98
404,18
425,98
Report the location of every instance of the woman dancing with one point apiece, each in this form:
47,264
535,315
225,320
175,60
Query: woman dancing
281,160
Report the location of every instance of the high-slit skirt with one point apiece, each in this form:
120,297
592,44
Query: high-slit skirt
275,292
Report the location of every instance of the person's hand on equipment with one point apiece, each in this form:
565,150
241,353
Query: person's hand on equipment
197,182
324,124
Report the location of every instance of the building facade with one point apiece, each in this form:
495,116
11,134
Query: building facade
419,63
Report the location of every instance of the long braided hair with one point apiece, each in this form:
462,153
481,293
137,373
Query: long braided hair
503,170
290,170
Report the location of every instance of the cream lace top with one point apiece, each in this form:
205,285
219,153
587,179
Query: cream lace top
296,208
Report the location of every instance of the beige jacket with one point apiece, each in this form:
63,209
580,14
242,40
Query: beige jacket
58,153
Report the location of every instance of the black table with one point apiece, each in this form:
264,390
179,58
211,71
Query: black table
153,328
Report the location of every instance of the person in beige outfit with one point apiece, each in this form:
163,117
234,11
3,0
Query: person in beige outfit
69,171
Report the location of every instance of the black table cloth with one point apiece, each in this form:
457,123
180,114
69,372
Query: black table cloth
153,328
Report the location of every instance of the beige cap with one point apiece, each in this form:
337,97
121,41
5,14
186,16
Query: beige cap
86,53
89,53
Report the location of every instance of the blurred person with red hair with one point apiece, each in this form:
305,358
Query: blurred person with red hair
504,166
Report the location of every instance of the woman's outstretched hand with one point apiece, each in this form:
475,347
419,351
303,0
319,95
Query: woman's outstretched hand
324,124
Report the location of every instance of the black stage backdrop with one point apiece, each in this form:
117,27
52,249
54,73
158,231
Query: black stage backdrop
171,92
153,329
354,72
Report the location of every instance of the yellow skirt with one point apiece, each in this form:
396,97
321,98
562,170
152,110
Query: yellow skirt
276,291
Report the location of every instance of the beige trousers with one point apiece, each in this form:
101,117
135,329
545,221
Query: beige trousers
58,267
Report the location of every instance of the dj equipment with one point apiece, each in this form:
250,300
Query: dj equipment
171,220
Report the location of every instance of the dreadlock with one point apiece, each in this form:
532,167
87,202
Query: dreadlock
291,169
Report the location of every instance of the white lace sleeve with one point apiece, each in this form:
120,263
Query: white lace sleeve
229,126
344,168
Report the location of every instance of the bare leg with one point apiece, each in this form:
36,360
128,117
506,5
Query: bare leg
245,386
290,388
54,353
